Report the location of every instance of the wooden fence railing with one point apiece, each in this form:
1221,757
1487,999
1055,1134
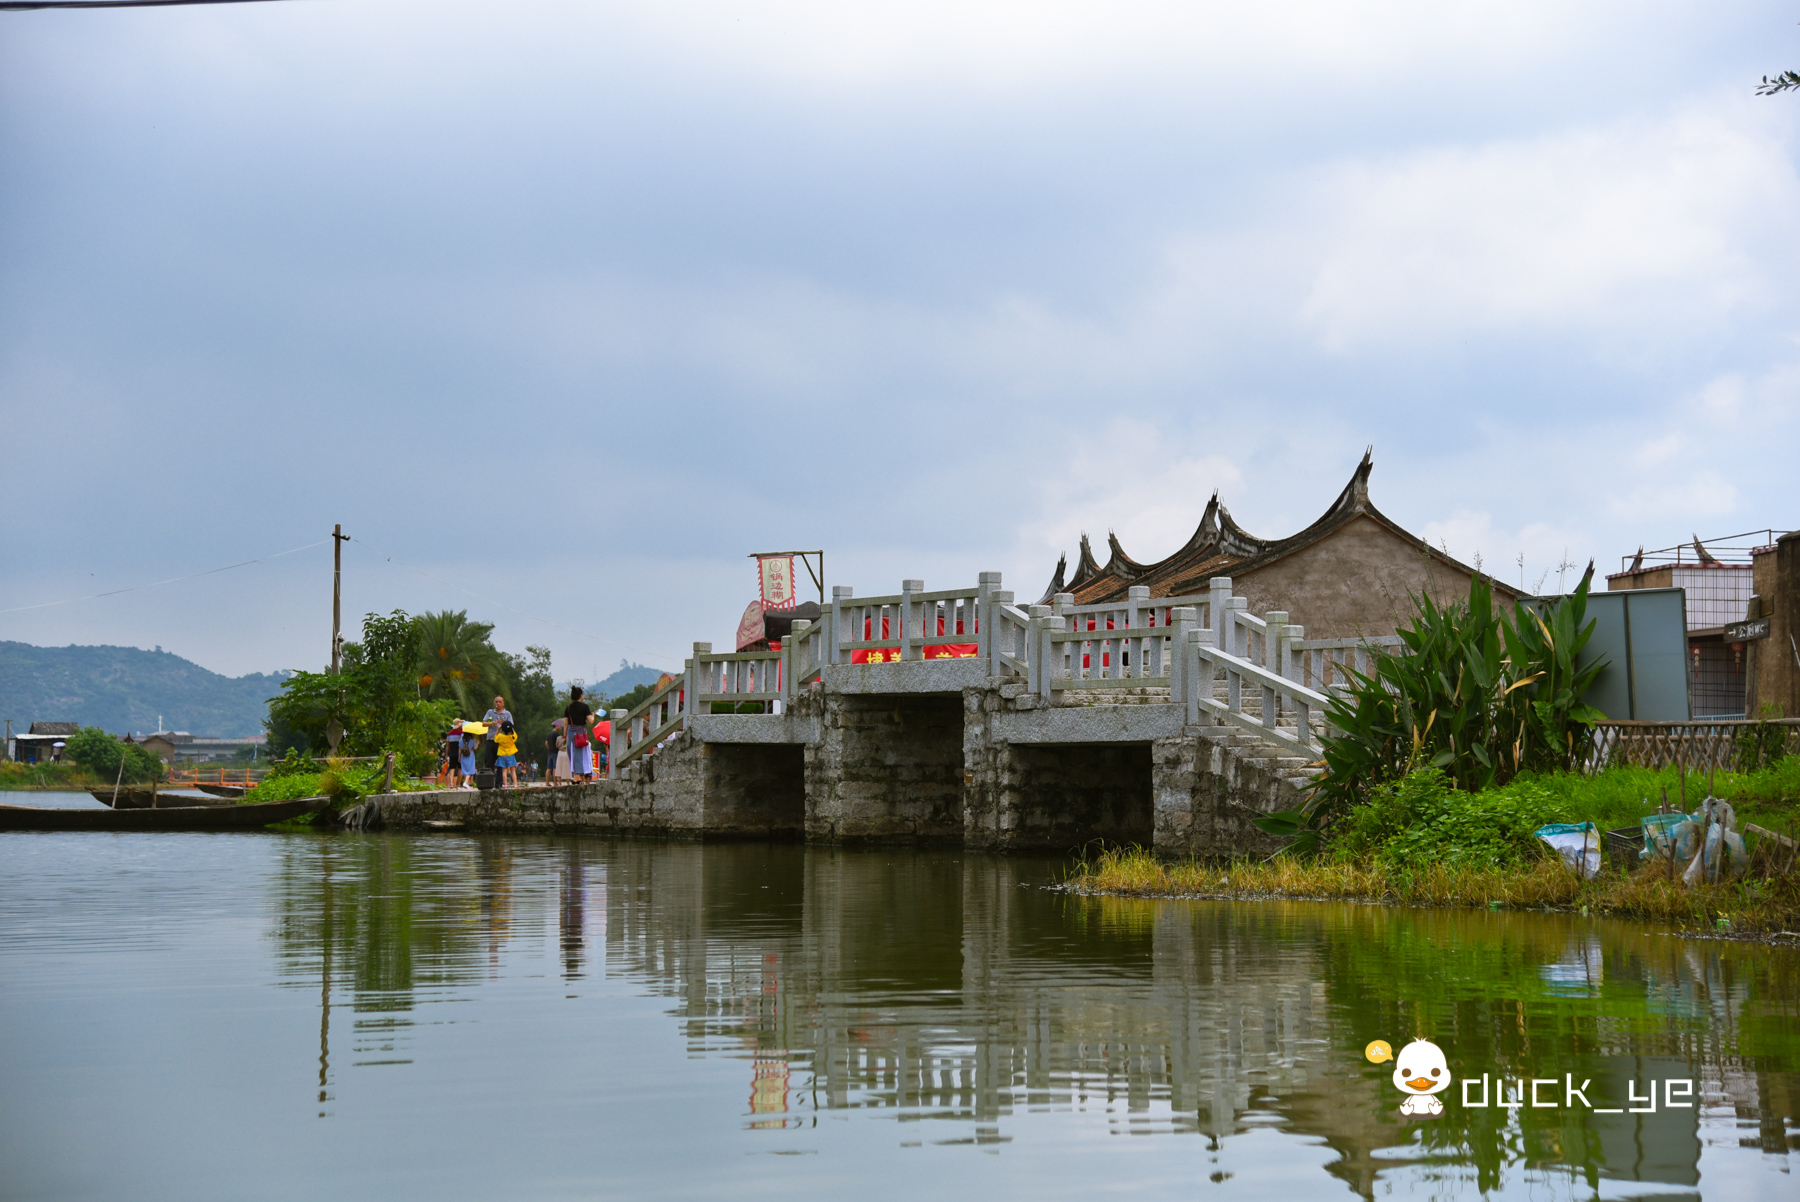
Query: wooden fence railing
1715,743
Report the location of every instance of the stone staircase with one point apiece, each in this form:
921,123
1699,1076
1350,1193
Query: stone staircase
1243,746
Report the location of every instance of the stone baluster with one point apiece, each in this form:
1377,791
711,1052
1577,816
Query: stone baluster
997,644
1037,651
909,590
796,659
699,678
986,584
1183,621
1272,636
1302,711
1230,629
621,739
840,593
1137,597
1060,605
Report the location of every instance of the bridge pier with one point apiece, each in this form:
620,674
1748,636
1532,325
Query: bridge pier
754,789
886,766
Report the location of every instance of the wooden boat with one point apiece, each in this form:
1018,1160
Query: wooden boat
137,797
231,791
165,818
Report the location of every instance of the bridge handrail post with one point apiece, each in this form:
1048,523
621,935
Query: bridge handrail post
985,585
1037,654
839,594
1302,708
1275,622
699,676
997,601
1192,653
1060,605
1135,596
909,589
798,647
621,736
1182,621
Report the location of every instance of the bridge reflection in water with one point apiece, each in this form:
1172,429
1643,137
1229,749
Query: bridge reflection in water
953,992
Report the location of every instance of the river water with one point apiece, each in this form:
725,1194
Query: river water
225,1016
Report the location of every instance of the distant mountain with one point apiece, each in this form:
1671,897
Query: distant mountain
628,677
125,688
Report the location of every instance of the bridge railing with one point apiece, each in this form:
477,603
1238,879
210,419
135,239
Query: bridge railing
639,730
912,624
1324,665
1256,672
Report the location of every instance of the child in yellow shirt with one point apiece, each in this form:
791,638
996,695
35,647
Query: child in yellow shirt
506,744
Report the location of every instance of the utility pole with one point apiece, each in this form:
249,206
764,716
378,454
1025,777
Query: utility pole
338,538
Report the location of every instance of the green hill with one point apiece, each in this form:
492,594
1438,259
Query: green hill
125,688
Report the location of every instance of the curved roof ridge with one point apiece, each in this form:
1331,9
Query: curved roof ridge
1086,567
1121,564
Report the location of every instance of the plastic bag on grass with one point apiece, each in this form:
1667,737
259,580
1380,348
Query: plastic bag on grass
1720,854
1578,843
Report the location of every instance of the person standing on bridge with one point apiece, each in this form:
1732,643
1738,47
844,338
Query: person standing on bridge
579,721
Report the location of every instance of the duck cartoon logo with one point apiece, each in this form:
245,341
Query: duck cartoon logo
1420,1072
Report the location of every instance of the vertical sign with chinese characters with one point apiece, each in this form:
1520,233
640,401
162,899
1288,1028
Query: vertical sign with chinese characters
777,579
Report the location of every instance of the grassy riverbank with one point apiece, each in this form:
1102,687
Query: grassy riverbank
1419,841
56,778
1749,907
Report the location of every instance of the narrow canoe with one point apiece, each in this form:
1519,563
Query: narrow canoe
233,791
169,818
136,797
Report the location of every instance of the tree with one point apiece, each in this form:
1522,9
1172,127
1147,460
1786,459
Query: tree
375,700
1781,83
457,660
530,693
102,754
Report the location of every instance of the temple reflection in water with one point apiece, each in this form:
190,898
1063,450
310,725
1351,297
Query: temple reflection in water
944,986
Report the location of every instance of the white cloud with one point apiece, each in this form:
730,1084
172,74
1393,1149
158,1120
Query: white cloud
1122,479
1638,230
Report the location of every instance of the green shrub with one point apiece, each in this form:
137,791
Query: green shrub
1422,819
346,784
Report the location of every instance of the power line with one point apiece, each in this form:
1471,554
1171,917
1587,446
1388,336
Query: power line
172,580
394,559
25,5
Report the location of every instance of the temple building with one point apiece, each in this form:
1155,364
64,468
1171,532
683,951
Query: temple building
1350,574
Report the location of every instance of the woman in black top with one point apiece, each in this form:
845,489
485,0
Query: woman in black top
579,718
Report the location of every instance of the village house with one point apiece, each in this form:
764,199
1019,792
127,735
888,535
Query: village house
1720,579
1350,574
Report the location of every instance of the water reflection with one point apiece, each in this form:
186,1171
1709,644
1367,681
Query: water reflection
953,993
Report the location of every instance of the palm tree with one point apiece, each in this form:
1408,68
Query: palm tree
457,660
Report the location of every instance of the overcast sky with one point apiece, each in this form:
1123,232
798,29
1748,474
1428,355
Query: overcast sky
562,308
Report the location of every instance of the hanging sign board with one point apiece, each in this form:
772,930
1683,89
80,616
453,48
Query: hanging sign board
776,575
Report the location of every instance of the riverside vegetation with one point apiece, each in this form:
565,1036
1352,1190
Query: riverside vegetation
91,760
1447,758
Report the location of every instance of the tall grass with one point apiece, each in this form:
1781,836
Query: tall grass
1750,906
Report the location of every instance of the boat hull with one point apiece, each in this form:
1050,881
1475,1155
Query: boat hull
169,818
136,798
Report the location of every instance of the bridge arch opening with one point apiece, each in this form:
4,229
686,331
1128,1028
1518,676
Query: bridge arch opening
1066,795
755,790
